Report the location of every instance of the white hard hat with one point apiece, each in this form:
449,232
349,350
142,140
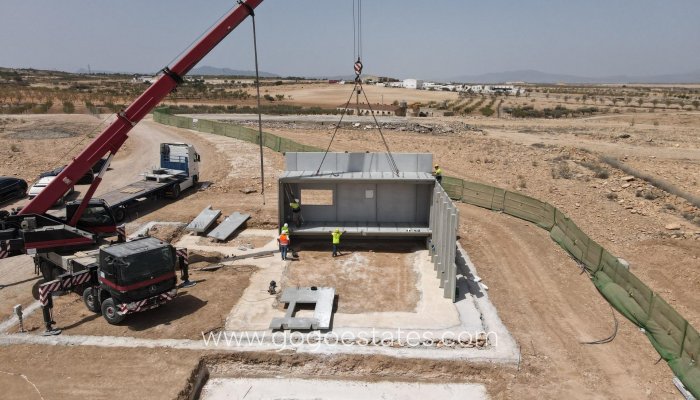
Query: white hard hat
286,225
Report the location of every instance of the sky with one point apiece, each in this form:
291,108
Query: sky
401,38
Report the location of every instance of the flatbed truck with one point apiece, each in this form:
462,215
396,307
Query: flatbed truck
178,171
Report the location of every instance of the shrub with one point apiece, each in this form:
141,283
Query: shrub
486,111
562,170
68,107
597,169
688,215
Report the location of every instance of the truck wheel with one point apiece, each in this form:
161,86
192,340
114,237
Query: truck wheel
175,191
119,214
109,311
90,300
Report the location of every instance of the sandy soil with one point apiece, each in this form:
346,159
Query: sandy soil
542,298
550,308
366,278
17,280
231,166
201,308
610,210
332,96
60,372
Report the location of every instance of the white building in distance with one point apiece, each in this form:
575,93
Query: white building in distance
412,83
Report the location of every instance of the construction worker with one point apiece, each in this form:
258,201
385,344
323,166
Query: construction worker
336,241
296,212
438,174
285,229
284,245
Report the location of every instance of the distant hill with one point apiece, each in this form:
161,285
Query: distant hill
216,71
532,76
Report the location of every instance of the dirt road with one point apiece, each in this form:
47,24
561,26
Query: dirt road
550,308
61,372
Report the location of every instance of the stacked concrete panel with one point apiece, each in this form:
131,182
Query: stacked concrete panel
444,222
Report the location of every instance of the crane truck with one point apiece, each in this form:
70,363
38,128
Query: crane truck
115,279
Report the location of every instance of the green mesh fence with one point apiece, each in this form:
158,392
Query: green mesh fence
271,141
670,334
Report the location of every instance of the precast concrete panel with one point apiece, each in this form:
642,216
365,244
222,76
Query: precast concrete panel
444,222
396,202
358,162
315,213
357,202
424,194
369,198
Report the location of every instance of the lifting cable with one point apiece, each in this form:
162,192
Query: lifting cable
357,52
261,138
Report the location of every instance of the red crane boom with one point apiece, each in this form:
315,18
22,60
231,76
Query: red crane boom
112,138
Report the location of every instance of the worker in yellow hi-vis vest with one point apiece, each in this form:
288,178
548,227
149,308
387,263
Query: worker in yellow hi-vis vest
296,212
336,241
438,174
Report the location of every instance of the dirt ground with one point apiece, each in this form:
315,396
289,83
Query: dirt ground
366,278
536,287
614,212
63,372
550,308
17,279
231,167
198,309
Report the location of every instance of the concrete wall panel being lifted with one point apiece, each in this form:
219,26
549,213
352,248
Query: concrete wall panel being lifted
358,162
364,192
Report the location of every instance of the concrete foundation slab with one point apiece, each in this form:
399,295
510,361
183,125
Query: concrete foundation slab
204,220
388,229
228,226
286,388
434,316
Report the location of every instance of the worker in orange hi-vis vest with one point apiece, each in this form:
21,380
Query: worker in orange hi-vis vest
284,245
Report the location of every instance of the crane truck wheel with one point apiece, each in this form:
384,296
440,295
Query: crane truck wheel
90,300
109,311
119,214
175,191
